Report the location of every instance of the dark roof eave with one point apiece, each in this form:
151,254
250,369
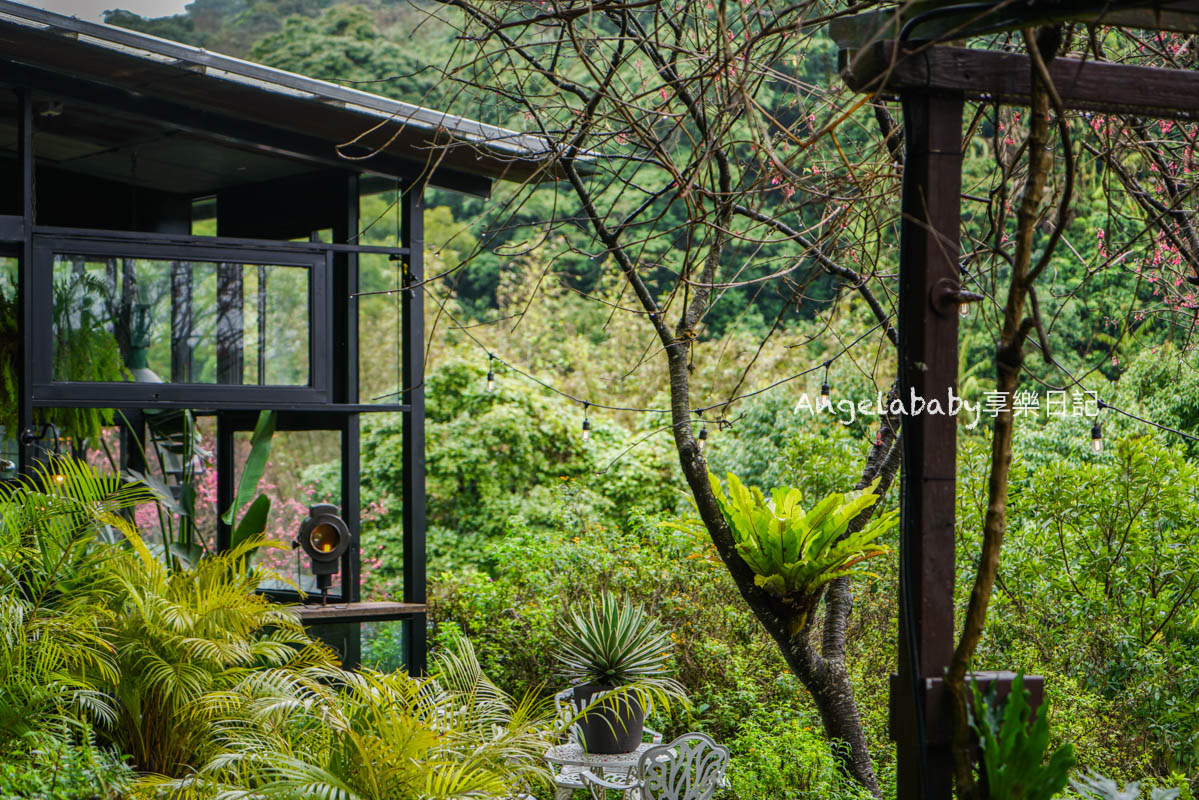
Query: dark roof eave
146,65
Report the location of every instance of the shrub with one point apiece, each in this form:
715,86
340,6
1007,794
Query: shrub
48,768
787,760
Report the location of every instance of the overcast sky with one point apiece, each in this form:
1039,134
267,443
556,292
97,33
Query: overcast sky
94,9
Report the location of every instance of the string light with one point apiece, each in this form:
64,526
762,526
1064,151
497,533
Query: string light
825,389
490,372
703,438
964,309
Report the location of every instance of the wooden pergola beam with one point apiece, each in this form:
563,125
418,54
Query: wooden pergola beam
935,20
886,69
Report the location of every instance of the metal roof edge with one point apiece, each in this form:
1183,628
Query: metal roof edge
221,67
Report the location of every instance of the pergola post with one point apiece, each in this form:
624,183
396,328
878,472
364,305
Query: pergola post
928,352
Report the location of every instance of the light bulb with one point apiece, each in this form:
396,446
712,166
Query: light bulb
1096,438
964,309
490,380
825,390
586,429
703,438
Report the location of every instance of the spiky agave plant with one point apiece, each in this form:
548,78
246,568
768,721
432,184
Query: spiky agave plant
794,552
618,645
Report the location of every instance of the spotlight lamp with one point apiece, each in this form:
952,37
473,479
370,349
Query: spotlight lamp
325,537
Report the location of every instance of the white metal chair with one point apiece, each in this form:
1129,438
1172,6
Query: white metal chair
568,777
692,767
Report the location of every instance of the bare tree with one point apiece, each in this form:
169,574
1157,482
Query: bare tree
678,132
705,152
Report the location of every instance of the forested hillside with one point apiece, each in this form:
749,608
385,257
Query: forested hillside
526,517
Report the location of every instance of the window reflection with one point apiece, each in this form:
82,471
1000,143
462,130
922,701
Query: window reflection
155,321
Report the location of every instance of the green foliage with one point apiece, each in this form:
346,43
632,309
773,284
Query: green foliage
344,45
84,349
251,472
54,592
502,471
253,522
729,667
226,26
1164,385
49,768
787,760
1098,787
1014,751
1109,539
750,448
185,639
377,736
205,685
794,552
617,644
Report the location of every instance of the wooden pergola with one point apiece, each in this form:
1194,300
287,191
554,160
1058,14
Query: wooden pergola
894,54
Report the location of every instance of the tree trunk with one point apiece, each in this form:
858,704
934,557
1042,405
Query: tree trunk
823,674
1009,357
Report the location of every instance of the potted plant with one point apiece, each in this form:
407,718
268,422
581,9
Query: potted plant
620,653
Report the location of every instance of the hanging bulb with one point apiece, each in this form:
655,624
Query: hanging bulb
825,390
586,429
964,309
1096,438
491,380
703,438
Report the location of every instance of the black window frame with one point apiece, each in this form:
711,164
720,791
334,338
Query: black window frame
48,392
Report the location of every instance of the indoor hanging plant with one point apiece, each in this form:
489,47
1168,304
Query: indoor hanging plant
621,654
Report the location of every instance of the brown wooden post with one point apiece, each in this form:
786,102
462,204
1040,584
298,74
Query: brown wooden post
928,352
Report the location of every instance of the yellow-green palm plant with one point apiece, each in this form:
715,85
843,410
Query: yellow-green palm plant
55,584
512,733
191,646
376,736
794,552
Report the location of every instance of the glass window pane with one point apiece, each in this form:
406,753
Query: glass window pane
379,336
159,321
384,644
9,452
303,469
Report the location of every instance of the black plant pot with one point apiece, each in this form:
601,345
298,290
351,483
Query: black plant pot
614,725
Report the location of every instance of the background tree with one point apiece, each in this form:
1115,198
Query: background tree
700,164
737,186
695,166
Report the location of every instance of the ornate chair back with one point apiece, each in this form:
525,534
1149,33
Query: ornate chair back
565,711
691,767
